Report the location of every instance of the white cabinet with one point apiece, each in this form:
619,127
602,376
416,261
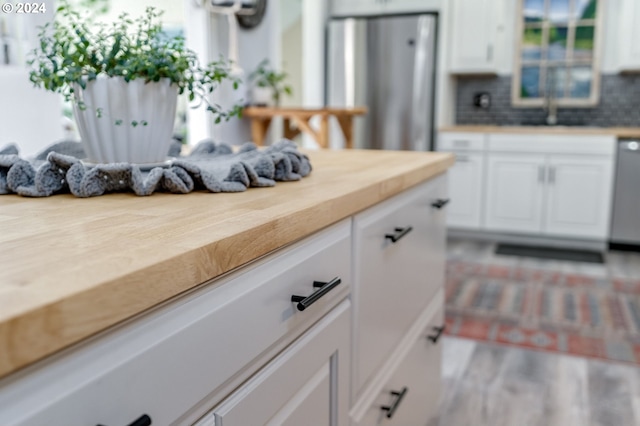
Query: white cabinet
551,195
473,37
514,192
534,184
579,194
308,384
357,7
407,391
245,350
628,48
381,7
466,178
171,361
398,264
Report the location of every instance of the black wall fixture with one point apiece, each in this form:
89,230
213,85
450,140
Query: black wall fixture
250,17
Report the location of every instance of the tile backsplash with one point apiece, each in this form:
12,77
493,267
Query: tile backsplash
619,104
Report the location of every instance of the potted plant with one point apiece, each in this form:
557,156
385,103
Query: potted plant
124,80
268,85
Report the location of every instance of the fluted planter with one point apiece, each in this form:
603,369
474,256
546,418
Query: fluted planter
126,121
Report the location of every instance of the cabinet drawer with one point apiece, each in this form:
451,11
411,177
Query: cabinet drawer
306,385
394,281
411,393
461,141
175,358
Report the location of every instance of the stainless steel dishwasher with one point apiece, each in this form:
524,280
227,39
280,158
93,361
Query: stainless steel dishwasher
625,220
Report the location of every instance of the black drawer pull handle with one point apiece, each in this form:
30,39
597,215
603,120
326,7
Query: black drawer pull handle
144,420
324,288
391,409
440,203
439,330
400,232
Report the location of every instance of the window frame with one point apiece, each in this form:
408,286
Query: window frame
594,97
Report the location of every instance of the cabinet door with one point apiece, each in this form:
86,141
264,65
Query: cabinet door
174,360
466,187
579,196
394,280
515,187
411,6
474,34
411,395
305,385
629,35
357,7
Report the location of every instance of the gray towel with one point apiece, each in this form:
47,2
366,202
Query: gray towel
211,166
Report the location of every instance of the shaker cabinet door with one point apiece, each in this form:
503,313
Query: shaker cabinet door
398,267
466,188
411,395
307,384
473,48
579,197
515,189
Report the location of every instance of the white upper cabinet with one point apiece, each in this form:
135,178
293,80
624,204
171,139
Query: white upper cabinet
579,196
629,36
473,37
380,7
357,7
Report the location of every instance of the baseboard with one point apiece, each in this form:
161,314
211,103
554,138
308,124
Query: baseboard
534,240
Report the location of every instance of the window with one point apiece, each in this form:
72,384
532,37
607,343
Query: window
556,56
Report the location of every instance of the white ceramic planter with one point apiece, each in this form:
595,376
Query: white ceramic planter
262,96
135,122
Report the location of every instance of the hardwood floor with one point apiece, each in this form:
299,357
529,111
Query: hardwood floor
490,385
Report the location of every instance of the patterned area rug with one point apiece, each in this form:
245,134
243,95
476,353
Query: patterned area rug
546,310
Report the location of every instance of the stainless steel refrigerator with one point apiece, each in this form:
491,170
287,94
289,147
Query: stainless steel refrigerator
388,64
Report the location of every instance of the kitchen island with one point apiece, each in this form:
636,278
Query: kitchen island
77,273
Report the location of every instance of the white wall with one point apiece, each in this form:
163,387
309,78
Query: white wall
207,34
29,117
292,63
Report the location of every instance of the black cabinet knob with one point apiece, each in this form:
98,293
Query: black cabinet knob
324,288
440,203
143,420
438,332
399,233
391,409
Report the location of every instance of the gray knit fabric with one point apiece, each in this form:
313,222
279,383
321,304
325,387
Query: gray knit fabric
210,166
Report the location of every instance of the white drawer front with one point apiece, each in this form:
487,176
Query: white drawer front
552,144
461,141
306,385
167,362
394,282
412,393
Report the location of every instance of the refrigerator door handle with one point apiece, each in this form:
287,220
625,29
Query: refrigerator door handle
420,132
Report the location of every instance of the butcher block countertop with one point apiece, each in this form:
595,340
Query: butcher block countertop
72,267
620,132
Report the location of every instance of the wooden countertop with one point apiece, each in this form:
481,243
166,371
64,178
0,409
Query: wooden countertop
72,267
620,132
